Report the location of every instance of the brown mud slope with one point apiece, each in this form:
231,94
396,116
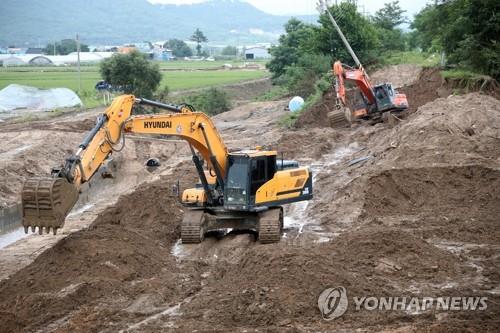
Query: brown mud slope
419,217
398,75
429,86
124,252
30,149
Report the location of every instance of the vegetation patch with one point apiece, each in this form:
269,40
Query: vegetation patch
463,80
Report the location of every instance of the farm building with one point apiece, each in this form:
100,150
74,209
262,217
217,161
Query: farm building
12,60
34,50
257,52
40,60
58,60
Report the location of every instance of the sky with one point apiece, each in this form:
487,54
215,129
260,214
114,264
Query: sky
308,7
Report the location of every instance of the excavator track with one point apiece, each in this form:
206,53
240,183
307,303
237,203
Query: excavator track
193,227
338,119
46,202
271,226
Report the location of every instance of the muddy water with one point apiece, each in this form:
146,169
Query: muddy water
298,218
12,237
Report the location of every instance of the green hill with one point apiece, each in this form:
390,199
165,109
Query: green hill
31,22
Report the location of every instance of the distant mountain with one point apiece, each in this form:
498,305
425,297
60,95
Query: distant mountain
31,22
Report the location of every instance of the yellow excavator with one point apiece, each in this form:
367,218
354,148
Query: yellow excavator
242,190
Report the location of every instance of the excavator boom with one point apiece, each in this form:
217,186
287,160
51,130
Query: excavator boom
47,201
256,185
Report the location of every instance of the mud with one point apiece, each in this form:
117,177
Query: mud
428,86
417,215
398,75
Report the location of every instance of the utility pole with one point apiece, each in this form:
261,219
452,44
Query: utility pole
322,8
78,64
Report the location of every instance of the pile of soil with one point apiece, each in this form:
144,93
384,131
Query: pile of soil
398,75
91,268
429,86
316,116
457,130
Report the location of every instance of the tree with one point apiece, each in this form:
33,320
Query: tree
211,101
386,21
230,51
359,31
301,77
199,38
215,101
466,30
64,47
390,16
429,24
291,45
132,73
179,48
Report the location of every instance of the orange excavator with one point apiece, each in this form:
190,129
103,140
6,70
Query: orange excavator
374,102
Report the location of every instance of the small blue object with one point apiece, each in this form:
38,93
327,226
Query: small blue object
296,103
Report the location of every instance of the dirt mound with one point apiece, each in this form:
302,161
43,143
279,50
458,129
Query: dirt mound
447,198
273,288
316,116
428,87
313,143
127,243
476,190
398,75
457,130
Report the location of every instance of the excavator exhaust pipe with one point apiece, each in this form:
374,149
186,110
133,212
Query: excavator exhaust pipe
46,202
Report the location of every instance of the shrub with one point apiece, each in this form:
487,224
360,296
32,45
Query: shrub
301,78
161,94
211,101
132,73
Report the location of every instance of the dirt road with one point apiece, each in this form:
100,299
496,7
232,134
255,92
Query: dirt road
404,211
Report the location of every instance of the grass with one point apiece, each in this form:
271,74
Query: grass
184,64
183,80
50,79
412,57
67,77
461,74
464,80
276,92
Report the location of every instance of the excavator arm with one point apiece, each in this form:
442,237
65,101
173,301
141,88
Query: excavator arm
46,201
357,76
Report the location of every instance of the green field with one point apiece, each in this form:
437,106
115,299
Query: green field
67,77
183,64
176,80
181,80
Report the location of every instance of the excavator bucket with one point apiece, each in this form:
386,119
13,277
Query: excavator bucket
46,202
339,118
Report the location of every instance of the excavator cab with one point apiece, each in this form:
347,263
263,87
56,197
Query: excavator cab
256,180
388,99
247,172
